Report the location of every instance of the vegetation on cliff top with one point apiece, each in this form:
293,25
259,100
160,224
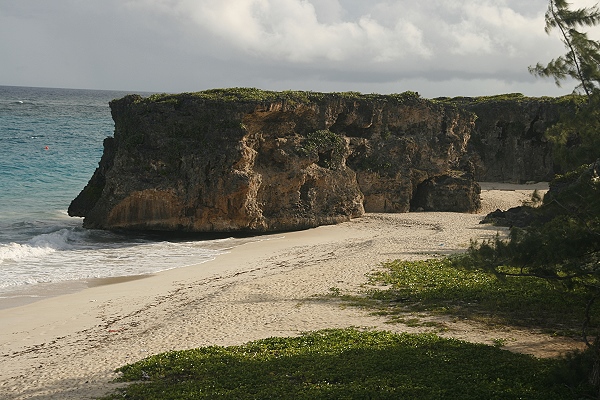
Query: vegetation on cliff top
516,98
255,95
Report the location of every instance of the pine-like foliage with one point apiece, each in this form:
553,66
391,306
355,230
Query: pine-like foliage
582,60
576,138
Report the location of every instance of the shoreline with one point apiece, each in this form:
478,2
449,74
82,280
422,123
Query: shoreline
42,291
67,347
27,294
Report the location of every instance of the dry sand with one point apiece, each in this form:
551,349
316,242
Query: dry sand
67,347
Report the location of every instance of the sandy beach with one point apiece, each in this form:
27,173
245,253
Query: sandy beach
67,346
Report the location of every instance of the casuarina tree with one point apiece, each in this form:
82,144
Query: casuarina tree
562,244
582,60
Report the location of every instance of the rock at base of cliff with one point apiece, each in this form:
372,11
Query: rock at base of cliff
455,192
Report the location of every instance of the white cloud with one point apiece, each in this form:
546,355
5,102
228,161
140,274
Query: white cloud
182,45
291,30
467,39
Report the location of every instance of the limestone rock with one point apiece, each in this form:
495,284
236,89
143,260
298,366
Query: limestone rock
456,191
508,143
254,161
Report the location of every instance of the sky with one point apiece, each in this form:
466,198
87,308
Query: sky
433,47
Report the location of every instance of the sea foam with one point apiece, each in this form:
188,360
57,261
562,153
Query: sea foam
74,254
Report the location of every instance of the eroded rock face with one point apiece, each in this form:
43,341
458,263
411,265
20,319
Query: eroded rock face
508,143
453,192
253,161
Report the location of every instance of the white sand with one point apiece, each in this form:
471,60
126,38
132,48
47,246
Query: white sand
67,347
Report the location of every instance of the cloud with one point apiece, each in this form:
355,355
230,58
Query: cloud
297,31
293,31
179,45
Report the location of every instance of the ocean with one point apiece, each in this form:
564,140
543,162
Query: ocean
50,144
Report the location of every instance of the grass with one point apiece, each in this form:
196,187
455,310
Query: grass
344,364
359,364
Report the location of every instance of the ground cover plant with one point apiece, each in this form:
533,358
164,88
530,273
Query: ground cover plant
442,286
344,364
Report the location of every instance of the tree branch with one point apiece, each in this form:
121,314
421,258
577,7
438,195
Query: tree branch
571,49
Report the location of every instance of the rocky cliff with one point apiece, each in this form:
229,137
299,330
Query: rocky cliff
255,161
508,143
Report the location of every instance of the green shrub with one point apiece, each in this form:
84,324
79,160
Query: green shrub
325,145
343,364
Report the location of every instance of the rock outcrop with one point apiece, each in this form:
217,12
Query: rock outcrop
508,143
253,161
447,193
575,194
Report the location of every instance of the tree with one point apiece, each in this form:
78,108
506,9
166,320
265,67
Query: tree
562,246
582,60
576,137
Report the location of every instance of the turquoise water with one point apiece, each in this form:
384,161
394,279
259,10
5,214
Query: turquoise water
50,144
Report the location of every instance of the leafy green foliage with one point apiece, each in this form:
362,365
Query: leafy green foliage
252,94
164,98
512,97
562,246
291,96
445,286
405,96
343,364
376,162
325,145
574,371
576,137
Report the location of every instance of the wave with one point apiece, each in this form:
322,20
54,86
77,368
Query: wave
40,245
74,253
18,252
